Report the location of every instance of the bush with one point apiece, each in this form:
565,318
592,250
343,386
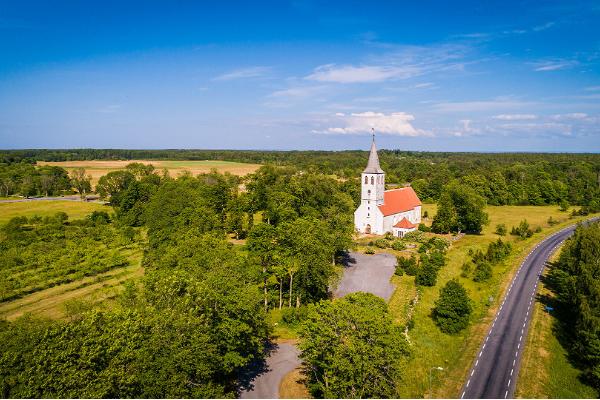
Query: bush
99,217
370,250
483,272
551,221
381,243
293,315
415,236
497,251
399,270
500,229
564,205
398,245
424,228
427,275
389,236
538,229
409,265
523,230
453,308
466,269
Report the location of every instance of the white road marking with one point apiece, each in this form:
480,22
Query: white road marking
462,395
477,362
506,394
468,382
520,337
472,372
511,371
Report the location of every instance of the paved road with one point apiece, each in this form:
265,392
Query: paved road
368,273
282,360
494,373
90,198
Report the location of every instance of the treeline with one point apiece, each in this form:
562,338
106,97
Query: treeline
29,180
574,278
500,178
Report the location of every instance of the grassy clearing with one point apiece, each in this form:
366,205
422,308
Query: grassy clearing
46,208
292,386
455,353
545,369
95,291
98,168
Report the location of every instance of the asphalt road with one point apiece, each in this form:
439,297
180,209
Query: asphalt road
367,273
496,368
279,363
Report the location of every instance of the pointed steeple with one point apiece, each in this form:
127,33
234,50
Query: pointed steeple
373,164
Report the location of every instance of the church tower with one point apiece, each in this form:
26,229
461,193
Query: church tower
372,180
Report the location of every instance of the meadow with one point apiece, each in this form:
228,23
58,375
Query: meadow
98,168
43,208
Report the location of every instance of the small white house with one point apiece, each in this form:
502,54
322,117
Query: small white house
397,211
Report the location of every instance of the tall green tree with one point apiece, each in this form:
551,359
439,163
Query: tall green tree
460,208
352,349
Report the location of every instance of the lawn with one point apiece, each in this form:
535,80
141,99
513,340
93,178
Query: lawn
98,168
545,369
43,208
455,353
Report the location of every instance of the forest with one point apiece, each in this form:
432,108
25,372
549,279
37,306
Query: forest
501,178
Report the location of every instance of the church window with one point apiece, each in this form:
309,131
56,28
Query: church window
369,192
372,180
366,180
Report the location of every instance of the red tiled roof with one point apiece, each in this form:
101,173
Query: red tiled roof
404,224
399,200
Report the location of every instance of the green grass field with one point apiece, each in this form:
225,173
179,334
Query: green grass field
43,208
545,369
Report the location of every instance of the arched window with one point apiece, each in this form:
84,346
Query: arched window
369,192
366,180
372,180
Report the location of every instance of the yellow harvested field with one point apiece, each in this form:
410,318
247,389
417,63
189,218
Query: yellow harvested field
98,168
44,208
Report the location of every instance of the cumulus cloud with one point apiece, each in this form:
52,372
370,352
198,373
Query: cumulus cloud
398,123
570,116
515,117
361,74
244,73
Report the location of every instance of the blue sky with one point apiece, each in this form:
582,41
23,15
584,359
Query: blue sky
426,75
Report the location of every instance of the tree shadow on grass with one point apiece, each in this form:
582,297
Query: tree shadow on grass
256,368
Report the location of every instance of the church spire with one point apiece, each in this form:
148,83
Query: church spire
373,164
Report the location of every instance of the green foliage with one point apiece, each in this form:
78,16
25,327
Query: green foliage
293,315
398,245
80,181
523,230
409,265
460,208
414,236
501,230
39,253
453,308
483,271
575,280
426,275
564,205
356,330
369,250
424,228
382,243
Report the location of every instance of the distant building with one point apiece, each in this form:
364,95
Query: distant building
380,211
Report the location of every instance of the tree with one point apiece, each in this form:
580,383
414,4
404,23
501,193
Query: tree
575,280
352,348
500,230
460,208
262,244
81,182
453,308
111,185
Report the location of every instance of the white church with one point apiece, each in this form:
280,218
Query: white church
380,211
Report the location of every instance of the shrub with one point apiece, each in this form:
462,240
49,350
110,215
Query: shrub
398,245
551,221
399,270
466,269
415,236
293,315
483,272
523,230
538,229
409,265
381,243
500,229
99,217
564,205
370,250
389,236
497,251
453,308
427,275
424,228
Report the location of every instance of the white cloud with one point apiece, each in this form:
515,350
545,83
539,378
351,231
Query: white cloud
592,88
570,116
244,73
298,91
554,65
482,105
515,117
398,123
543,27
361,74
